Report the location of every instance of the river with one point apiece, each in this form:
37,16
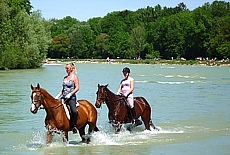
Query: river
190,105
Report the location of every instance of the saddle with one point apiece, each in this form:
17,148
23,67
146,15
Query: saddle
68,110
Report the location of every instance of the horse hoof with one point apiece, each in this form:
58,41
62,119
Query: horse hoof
74,130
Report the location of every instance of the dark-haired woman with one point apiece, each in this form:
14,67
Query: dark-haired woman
126,89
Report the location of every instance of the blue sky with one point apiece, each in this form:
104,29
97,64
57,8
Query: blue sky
86,9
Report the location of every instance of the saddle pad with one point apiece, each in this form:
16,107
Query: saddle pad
66,109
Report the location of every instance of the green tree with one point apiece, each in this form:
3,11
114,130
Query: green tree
81,39
26,41
151,54
138,39
95,25
17,5
61,26
60,46
101,42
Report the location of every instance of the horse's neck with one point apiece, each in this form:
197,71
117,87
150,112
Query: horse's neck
111,99
49,101
110,95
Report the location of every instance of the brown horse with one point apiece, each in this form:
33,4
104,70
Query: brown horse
56,119
118,110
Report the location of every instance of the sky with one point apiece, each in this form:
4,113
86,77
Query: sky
86,9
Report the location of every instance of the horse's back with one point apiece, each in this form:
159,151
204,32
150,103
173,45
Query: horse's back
86,107
141,100
141,104
87,104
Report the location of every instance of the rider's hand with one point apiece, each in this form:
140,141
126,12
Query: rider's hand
125,95
68,95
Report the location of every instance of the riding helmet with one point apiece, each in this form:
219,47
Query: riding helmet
126,70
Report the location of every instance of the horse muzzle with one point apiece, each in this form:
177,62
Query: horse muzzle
33,109
98,104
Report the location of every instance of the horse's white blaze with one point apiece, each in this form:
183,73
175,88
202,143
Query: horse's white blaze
33,96
33,106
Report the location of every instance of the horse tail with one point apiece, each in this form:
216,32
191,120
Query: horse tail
151,124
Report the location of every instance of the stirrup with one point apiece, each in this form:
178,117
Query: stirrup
74,130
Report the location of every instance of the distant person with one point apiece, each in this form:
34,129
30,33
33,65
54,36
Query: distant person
126,88
107,59
70,87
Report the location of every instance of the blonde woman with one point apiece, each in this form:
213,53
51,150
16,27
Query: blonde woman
70,87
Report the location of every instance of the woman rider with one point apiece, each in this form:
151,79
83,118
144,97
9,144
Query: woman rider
70,87
126,88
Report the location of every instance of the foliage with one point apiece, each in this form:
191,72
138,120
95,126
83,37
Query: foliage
24,36
60,46
152,32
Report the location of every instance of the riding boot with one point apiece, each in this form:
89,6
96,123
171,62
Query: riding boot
136,121
74,118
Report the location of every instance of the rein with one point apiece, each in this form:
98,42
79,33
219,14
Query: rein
122,98
105,100
56,106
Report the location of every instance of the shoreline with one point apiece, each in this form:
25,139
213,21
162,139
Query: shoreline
153,62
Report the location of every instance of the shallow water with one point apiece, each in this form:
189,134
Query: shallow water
190,105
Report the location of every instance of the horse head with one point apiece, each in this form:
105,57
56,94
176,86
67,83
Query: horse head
101,95
36,98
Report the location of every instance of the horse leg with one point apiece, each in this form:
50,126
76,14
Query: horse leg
92,127
146,119
118,127
66,137
152,125
49,137
82,133
95,129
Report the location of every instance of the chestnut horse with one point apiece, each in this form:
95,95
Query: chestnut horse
56,119
119,111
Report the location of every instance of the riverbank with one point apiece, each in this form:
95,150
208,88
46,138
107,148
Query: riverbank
146,61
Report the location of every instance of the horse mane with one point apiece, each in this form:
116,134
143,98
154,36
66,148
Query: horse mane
107,89
46,93
116,96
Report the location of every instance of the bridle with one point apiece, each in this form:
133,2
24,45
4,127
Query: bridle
103,98
38,99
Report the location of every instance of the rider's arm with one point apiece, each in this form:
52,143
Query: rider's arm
119,90
77,85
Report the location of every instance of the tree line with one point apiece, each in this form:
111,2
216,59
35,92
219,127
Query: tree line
26,38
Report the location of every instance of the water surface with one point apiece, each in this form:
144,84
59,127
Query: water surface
190,104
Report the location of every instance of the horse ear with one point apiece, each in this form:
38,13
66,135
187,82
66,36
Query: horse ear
98,85
38,85
106,85
31,86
